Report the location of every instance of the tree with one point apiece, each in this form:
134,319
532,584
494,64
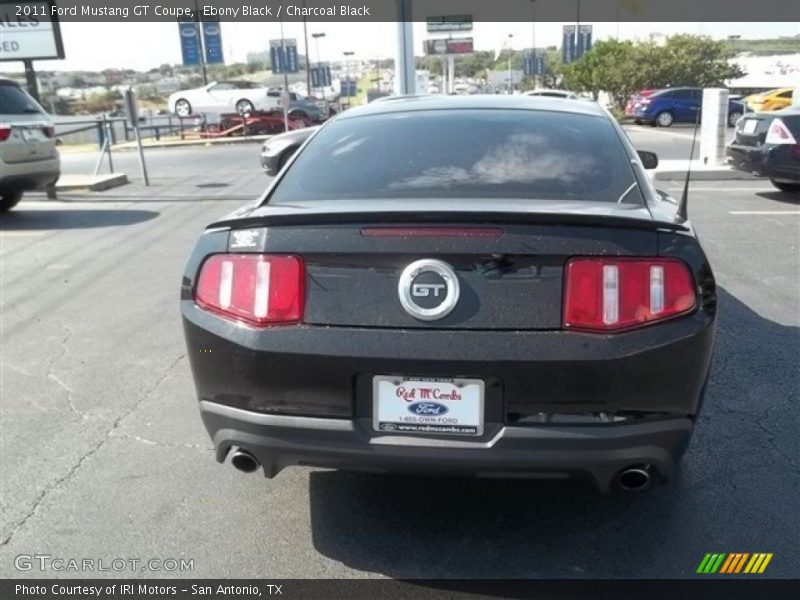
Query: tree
623,68
693,60
612,66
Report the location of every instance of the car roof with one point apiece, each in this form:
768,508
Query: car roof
7,81
398,104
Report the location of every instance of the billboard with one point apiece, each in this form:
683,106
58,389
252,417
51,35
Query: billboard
33,37
212,40
190,42
444,47
449,23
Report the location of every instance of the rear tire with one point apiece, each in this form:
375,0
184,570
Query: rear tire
664,119
789,188
244,107
733,117
9,201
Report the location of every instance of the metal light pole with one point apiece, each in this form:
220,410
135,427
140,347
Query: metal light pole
533,39
510,47
316,37
285,94
347,55
308,60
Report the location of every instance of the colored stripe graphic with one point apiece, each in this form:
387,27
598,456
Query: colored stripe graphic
765,563
734,563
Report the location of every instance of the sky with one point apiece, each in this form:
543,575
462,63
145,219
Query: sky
141,46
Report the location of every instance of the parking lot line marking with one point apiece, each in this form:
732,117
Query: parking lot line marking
21,233
764,212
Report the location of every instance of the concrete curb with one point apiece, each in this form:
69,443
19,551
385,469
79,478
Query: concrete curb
90,183
705,175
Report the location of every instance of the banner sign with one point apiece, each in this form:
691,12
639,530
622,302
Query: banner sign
348,87
190,42
283,62
584,40
212,40
533,61
568,44
321,76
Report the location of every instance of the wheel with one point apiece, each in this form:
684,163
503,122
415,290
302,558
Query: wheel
9,200
733,117
183,108
789,188
664,119
244,106
298,114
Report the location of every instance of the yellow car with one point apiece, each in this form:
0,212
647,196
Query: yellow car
771,100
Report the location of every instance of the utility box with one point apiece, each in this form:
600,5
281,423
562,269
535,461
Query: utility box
714,128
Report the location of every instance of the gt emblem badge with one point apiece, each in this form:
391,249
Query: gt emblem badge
428,289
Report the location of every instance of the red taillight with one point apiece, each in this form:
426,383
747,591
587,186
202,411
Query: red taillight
5,132
260,289
49,131
608,294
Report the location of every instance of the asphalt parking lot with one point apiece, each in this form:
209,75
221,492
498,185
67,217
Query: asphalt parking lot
104,455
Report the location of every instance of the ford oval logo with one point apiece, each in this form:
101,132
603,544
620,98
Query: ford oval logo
427,409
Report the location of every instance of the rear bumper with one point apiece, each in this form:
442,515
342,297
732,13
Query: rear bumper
29,175
596,452
773,162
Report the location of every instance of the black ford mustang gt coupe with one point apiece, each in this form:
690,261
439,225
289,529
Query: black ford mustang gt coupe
474,285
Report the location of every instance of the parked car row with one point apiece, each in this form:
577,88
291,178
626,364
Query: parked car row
663,107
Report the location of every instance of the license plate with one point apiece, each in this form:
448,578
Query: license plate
427,406
749,126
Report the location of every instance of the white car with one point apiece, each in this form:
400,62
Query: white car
225,97
552,94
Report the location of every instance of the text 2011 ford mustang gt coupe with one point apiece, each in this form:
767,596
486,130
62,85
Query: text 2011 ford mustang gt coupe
464,285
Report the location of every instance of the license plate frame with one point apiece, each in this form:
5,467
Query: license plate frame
413,411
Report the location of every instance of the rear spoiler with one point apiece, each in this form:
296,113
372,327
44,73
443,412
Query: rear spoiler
306,217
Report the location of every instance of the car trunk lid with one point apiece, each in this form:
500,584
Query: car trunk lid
509,262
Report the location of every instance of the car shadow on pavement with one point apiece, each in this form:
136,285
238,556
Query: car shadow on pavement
20,219
426,527
785,197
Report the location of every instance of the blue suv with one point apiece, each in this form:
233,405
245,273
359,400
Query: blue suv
679,105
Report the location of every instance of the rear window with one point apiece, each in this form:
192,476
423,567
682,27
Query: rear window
535,155
15,101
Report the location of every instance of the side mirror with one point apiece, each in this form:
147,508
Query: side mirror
649,159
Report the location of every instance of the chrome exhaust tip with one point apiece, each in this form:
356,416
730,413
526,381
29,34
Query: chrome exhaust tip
634,479
243,461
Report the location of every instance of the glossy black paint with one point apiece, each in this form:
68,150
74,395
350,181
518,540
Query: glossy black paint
556,401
